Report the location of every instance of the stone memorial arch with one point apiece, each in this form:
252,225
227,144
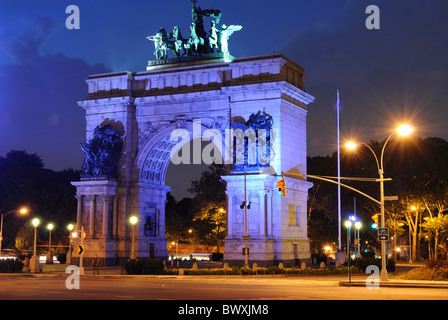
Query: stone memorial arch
137,122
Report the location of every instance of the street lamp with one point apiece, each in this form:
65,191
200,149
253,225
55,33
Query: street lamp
358,239
22,211
34,262
402,130
70,228
348,225
50,227
133,221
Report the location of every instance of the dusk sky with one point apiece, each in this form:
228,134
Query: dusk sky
386,76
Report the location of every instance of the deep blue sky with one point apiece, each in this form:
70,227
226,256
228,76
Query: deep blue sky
385,76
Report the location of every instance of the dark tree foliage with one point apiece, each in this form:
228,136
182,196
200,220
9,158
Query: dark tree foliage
178,218
418,168
48,195
205,214
209,206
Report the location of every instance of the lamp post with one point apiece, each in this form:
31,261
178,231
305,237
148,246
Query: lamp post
34,262
402,130
50,227
22,211
70,228
348,225
133,221
357,227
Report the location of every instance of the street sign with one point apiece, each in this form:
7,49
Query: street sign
383,234
80,250
390,198
244,251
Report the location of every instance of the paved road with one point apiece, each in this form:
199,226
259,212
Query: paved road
204,288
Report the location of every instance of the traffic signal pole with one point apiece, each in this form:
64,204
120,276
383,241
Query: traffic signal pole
81,269
383,275
246,253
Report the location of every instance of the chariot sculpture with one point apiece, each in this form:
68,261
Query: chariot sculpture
199,42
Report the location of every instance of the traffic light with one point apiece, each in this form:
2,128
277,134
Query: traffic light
77,234
281,187
244,203
375,219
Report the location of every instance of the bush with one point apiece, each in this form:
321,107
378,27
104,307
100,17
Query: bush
144,266
11,266
425,273
217,256
62,258
437,264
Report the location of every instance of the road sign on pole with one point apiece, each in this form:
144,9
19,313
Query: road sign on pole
80,250
383,234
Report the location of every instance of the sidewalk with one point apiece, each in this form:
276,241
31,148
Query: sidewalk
120,273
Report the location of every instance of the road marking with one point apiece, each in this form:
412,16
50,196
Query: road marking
126,297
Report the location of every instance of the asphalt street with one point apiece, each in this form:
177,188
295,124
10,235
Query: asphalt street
206,288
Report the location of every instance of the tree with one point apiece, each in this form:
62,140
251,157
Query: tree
436,228
25,237
395,222
209,206
178,218
46,193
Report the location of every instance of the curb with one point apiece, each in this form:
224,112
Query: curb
398,284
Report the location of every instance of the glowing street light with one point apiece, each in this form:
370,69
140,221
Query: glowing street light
350,145
133,220
70,228
50,227
402,130
358,239
34,261
22,211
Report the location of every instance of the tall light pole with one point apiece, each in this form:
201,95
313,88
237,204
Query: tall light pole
133,221
50,227
70,228
402,130
358,243
246,237
22,211
348,225
34,263
339,173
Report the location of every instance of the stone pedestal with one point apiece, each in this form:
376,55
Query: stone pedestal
97,214
34,264
276,225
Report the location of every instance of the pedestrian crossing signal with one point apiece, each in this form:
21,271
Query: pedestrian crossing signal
281,187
